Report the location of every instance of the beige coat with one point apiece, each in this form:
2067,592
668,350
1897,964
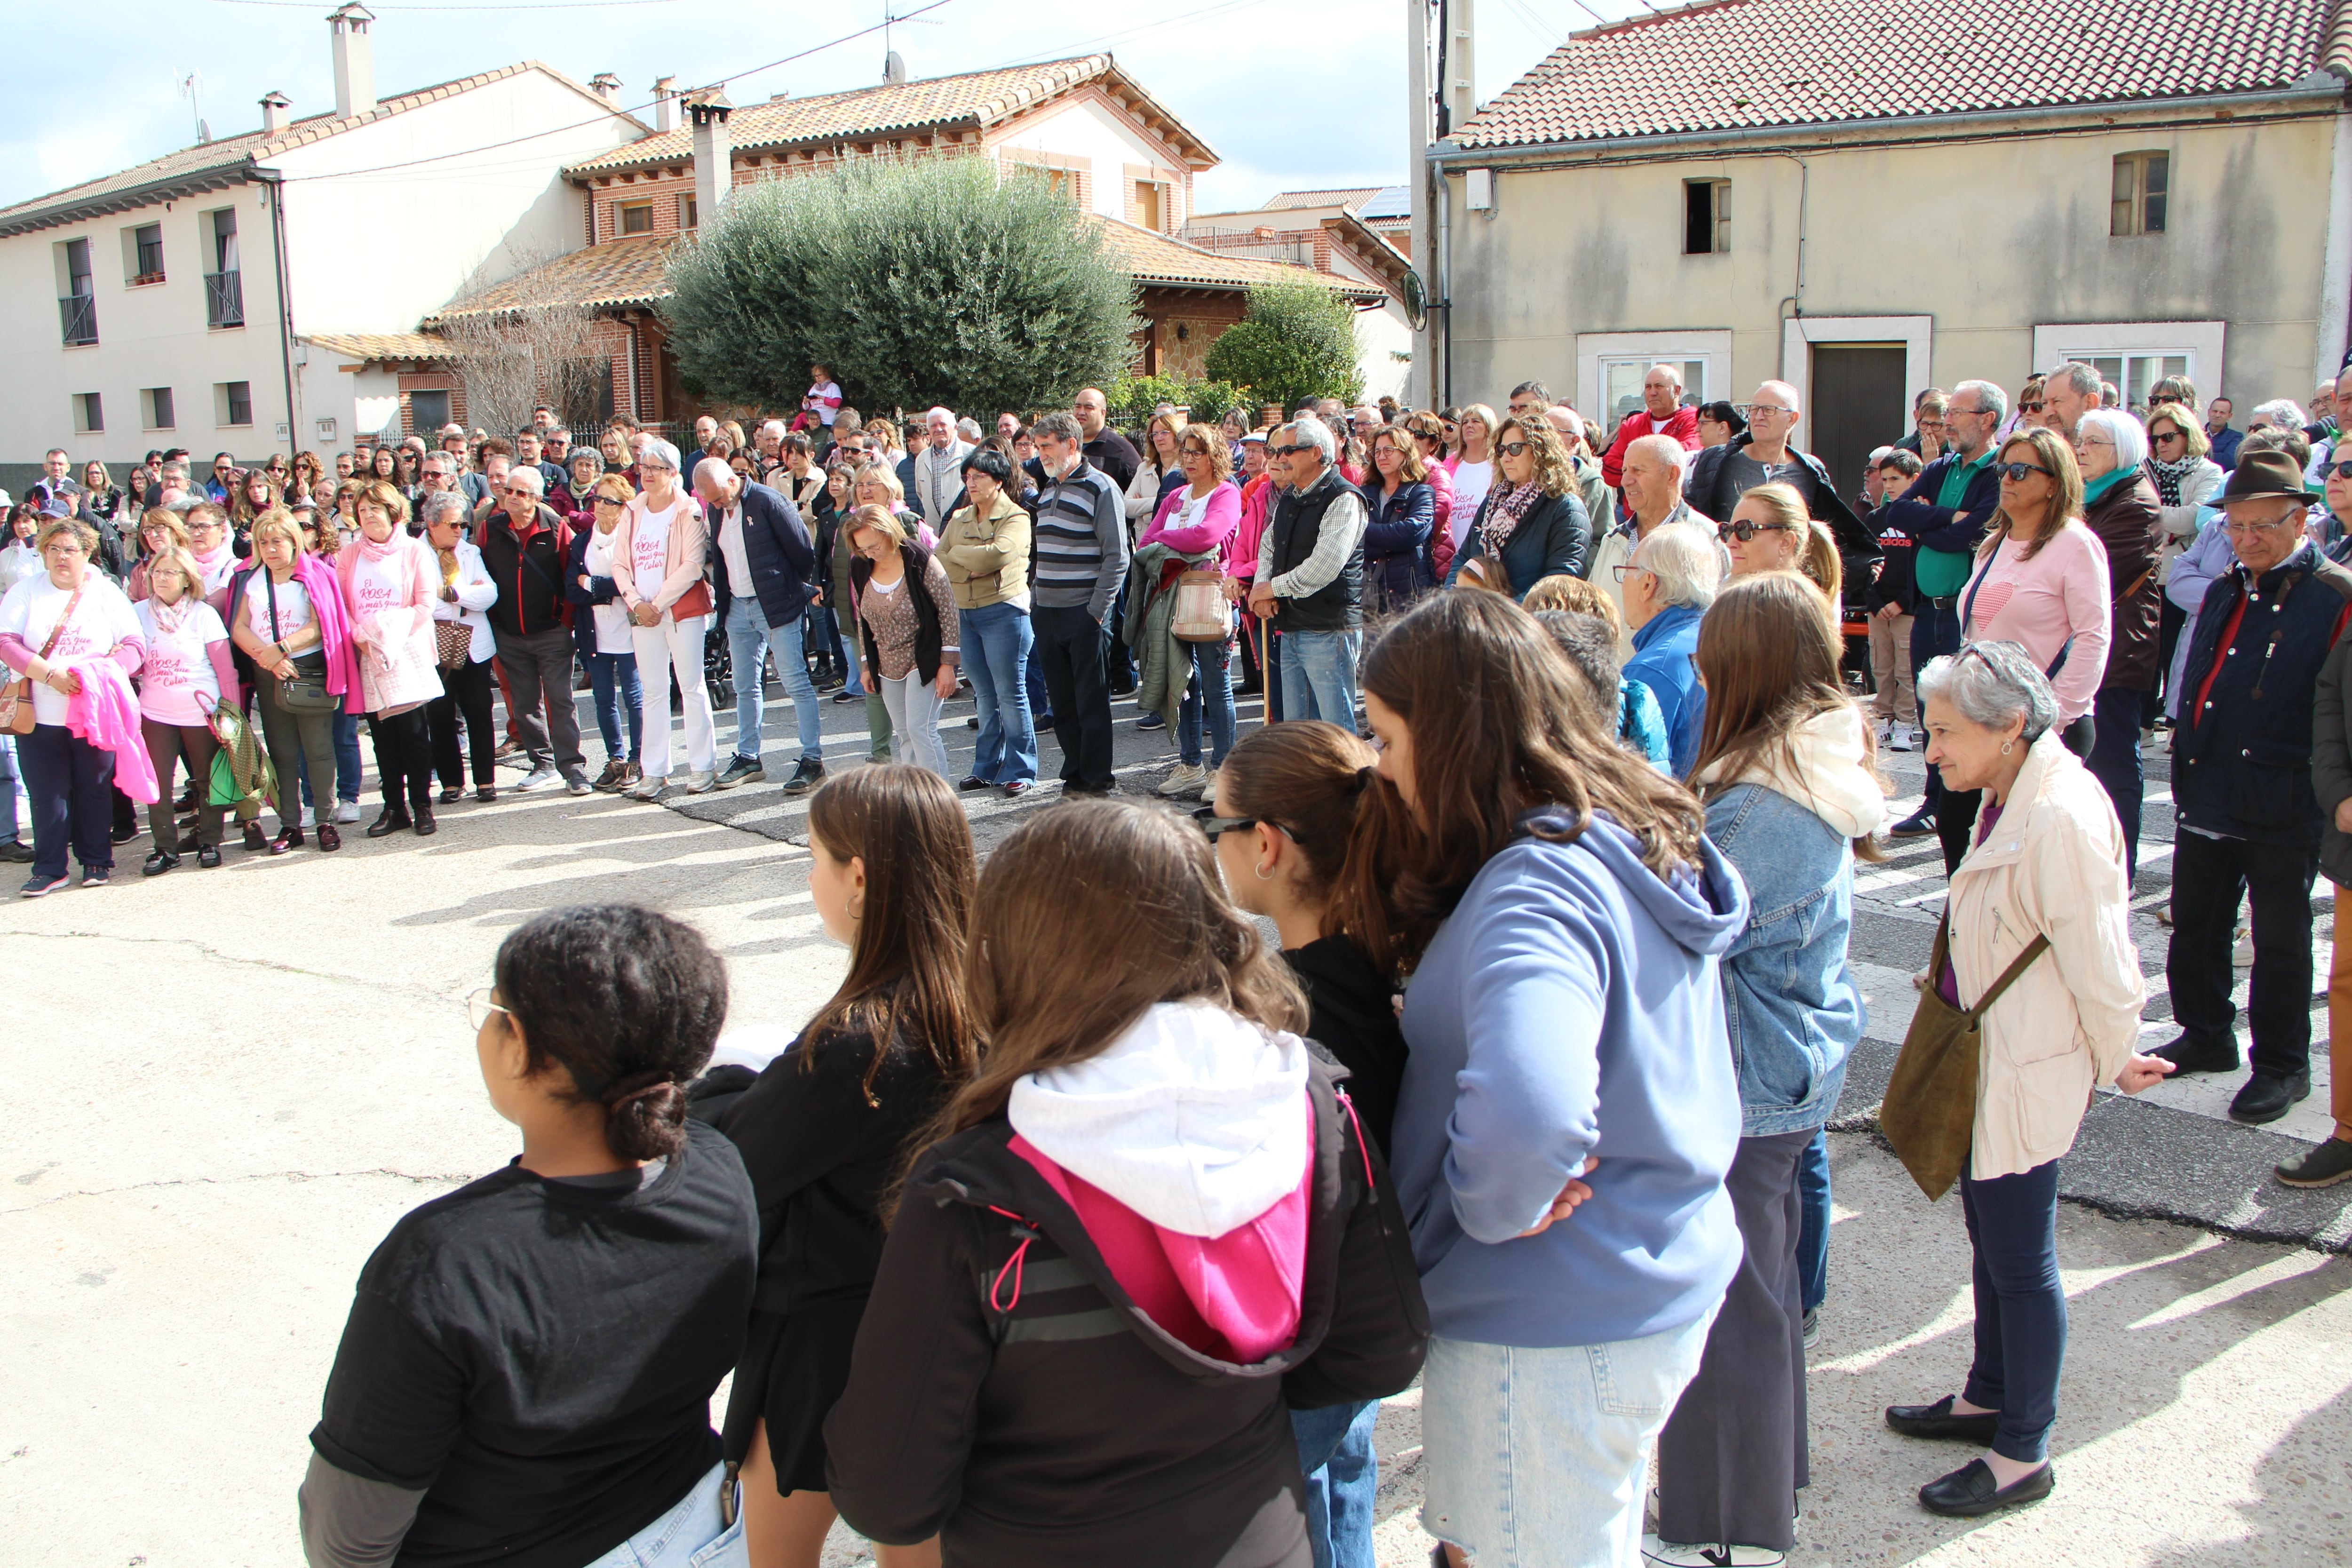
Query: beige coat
2054,866
987,562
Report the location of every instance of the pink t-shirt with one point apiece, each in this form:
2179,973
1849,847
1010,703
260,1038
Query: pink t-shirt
376,586
179,666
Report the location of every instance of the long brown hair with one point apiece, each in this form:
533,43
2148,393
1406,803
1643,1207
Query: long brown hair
906,967
1768,653
1310,779
1499,730
1087,879
2065,494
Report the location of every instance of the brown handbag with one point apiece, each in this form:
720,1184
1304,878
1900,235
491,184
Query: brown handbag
16,697
1930,1114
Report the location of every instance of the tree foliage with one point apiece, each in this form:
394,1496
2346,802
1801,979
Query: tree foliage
1296,341
918,281
1204,402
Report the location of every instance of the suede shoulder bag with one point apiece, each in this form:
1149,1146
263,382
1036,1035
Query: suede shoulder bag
1930,1114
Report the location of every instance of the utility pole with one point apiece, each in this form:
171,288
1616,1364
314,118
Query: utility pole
1421,128
1461,88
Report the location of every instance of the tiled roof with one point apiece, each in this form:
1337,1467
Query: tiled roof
606,276
1722,64
621,272
213,164
978,100
378,346
1349,198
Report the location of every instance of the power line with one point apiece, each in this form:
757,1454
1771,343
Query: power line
582,125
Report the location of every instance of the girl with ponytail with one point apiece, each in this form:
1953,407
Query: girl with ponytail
527,1372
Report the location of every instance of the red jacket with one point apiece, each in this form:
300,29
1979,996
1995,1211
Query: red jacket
1683,426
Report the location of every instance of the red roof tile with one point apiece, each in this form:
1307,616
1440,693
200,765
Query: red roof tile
1724,64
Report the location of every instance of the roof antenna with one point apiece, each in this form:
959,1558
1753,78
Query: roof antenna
192,87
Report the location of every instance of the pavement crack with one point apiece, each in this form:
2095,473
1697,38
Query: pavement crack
434,1179
401,988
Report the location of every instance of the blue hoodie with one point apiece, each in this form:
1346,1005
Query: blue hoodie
1662,661
1570,1006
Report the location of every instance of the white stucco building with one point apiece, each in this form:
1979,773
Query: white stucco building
243,294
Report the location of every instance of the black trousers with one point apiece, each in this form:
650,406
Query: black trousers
2114,762
403,758
1070,647
2208,875
465,694
1735,1452
1935,633
1956,809
71,786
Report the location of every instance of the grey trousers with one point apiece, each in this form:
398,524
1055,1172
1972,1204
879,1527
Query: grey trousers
1733,1455
538,679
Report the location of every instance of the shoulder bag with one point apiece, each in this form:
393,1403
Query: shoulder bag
1929,1115
17,704
306,690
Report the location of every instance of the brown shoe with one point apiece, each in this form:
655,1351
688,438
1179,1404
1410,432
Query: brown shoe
256,841
613,775
287,838
329,838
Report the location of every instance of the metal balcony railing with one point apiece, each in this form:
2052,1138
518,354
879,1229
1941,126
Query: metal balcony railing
78,313
224,299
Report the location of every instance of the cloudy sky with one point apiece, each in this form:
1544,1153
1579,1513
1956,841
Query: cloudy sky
1293,93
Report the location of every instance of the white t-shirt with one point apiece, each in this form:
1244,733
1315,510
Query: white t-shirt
102,621
178,668
1471,483
612,617
293,607
650,563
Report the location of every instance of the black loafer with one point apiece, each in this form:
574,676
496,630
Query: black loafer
159,862
1972,1491
972,782
389,823
2266,1099
2194,1054
208,856
1936,1420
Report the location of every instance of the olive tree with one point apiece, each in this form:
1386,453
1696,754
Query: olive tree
1296,341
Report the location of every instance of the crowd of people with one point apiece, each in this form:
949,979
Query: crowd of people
1567,768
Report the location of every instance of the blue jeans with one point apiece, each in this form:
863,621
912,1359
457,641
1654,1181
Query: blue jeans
347,761
1540,1457
1212,687
748,638
1319,675
1813,1236
1343,1477
689,1536
7,788
826,627
996,643
2114,762
612,677
2021,1307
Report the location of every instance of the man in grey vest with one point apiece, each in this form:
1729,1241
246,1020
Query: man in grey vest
1310,576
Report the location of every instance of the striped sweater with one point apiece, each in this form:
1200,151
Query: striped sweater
1078,549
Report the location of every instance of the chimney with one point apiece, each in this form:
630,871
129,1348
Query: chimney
606,86
354,59
274,118
665,103
894,70
714,154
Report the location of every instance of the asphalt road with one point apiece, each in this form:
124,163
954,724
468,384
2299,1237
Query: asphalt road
229,1084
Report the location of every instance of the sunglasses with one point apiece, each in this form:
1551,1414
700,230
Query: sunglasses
1744,530
2015,472
1215,826
1287,451
2340,470
1512,448
2168,436
2029,408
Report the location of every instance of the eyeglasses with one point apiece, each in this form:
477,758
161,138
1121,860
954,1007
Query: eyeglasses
1624,571
1744,531
2243,529
520,494
1512,448
2015,472
479,1007
2081,441
1753,409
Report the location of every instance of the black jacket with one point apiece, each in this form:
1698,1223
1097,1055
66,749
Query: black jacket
780,552
600,591
931,642
1894,585
1030,1414
1555,539
1710,491
1352,1013
530,577
2242,757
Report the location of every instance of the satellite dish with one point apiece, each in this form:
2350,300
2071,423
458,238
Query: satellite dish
1416,301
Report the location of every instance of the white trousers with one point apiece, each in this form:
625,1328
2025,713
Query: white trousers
658,647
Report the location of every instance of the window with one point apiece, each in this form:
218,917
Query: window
636,218
156,404
145,244
2141,183
686,216
1707,218
1065,181
2135,374
1621,381
1151,208
90,416
232,402
428,411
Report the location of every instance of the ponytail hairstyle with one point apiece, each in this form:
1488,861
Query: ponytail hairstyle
1313,780
906,967
628,1003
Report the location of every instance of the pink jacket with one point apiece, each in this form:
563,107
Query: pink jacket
2058,599
105,712
1218,522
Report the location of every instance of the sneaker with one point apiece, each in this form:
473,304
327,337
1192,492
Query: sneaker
310,819
646,788
1152,721
452,795
2242,956
538,778
42,886
486,793
701,784
1898,739
2265,1097
347,810
1189,778
2324,1166
739,770
1699,1554
616,773
849,694
1018,788
806,776
1812,1327
16,853
122,835
577,784
1209,790
1920,824
99,876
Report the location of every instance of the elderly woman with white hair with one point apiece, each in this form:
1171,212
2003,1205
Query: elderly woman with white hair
1667,587
659,552
2040,902
2120,504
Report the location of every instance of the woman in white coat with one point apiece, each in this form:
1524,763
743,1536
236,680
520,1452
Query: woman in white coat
658,555
2047,861
463,645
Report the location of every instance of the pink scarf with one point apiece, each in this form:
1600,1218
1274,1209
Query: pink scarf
208,564
387,549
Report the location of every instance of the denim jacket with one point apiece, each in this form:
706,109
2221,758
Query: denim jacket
1788,996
